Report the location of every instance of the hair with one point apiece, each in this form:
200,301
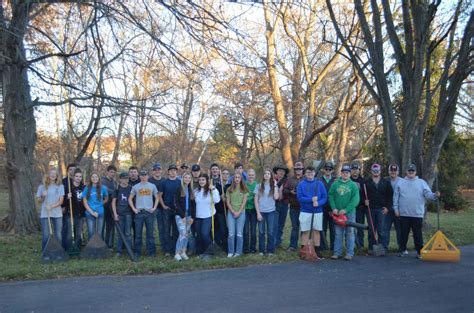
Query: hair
213,165
271,182
71,165
77,171
190,186
206,187
238,164
47,181
111,167
309,168
133,167
233,187
98,187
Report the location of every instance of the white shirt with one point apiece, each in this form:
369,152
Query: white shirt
203,203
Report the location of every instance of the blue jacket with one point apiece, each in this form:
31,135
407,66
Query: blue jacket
306,191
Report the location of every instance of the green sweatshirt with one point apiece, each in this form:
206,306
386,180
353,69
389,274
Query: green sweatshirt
250,196
344,195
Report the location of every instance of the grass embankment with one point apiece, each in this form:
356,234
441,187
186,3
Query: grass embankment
20,255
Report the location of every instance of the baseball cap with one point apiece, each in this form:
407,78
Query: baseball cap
123,175
355,166
393,168
143,172
195,168
329,164
184,165
411,167
346,168
157,166
172,167
375,167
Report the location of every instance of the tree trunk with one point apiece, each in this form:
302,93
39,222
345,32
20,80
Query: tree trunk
118,140
20,126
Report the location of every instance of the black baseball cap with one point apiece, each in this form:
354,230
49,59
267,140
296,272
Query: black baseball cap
355,166
411,167
157,166
123,175
346,168
195,168
172,167
393,168
183,166
143,172
329,165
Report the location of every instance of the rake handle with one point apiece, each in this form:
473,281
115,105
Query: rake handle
370,218
70,207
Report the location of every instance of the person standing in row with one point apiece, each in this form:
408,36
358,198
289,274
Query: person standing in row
266,193
312,196
109,182
196,172
206,197
51,195
170,187
122,210
75,196
281,173
144,208
289,191
379,197
157,180
250,227
94,197
236,200
361,210
328,223
185,215
65,206
409,201
344,198
390,218
133,176
219,218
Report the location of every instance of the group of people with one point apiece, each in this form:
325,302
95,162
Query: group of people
193,209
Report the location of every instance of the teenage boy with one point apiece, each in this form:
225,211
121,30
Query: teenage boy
379,197
184,168
195,173
409,201
122,210
289,191
133,176
220,220
75,196
157,180
390,218
344,198
328,223
238,168
361,210
312,197
71,168
281,176
169,189
144,210
109,182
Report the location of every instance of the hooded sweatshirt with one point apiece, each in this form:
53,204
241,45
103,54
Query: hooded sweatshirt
344,195
305,192
410,196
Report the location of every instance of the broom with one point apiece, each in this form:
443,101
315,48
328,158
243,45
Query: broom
213,249
307,252
96,247
53,251
73,249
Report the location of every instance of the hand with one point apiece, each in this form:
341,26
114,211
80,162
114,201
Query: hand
116,218
259,217
95,214
191,221
397,213
69,195
135,211
366,202
335,212
275,183
437,194
44,194
152,210
384,211
236,214
342,212
184,220
165,208
293,192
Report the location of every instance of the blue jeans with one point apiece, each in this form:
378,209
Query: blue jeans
349,234
184,230
78,224
280,219
236,229
361,214
202,226
221,230
378,219
390,219
125,224
250,231
91,225
148,219
295,227
166,221
328,223
266,224
57,224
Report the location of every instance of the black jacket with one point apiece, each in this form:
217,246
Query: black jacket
181,205
380,195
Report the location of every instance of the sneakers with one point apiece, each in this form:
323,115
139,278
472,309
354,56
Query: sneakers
335,257
236,255
261,254
270,254
318,253
184,256
178,258
348,257
418,256
291,249
230,255
403,254
167,254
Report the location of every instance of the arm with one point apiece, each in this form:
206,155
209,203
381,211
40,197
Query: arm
396,198
427,193
130,201
114,208
300,195
157,199
323,195
180,210
332,201
229,205
215,196
244,202
389,196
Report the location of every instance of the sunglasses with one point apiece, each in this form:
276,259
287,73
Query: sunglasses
328,169
411,171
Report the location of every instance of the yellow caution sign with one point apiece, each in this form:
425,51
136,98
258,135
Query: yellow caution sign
440,249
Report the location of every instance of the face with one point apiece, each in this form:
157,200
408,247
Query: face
375,173
70,171
239,169
157,172
77,178
187,179
53,174
124,181
355,172
328,171
411,174
144,178
172,173
196,173
225,175
251,175
280,173
393,173
215,171
202,181
267,175
237,178
95,178
309,174
133,174
298,168
111,173
345,175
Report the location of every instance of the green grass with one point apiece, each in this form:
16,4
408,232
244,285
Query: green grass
20,255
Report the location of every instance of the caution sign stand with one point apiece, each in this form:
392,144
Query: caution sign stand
440,249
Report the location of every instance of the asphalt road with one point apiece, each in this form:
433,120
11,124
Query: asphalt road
388,284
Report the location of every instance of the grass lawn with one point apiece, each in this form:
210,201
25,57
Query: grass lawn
20,255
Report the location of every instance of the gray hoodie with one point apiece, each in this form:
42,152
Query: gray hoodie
410,195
